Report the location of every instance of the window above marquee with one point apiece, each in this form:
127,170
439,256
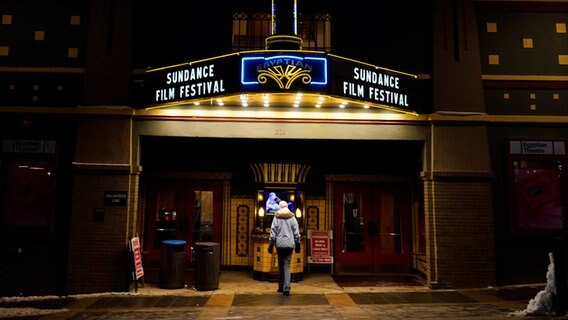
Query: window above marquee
250,31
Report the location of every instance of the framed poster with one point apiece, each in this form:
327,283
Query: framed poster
537,180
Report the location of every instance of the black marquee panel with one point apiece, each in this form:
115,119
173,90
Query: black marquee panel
281,72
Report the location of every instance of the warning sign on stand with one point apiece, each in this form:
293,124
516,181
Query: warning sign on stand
135,247
320,251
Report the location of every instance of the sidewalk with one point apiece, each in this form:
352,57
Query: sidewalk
316,297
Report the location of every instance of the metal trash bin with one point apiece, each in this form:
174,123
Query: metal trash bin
172,264
207,266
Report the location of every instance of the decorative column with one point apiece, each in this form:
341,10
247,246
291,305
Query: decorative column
284,26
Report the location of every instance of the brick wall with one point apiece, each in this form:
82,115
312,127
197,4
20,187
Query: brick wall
460,236
99,259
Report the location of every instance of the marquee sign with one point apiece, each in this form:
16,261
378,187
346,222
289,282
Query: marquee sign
281,72
190,81
361,81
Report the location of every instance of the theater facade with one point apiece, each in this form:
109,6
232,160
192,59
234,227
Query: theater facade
437,152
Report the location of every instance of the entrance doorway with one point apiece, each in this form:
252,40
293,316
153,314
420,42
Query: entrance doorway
181,209
372,228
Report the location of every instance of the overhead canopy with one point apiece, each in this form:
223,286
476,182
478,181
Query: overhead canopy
268,78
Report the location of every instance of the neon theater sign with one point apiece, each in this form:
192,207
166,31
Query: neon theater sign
284,72
281,72
282,68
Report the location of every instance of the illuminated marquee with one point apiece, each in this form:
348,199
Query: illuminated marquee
365,82
193,80
284,71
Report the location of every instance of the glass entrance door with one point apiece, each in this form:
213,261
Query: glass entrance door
372,228
181,209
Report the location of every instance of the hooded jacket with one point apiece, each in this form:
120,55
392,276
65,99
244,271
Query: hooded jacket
284,231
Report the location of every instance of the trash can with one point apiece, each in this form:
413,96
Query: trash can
172,264
207,266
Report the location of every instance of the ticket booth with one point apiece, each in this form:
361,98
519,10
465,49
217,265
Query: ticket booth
283,186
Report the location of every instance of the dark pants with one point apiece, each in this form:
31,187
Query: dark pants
284,258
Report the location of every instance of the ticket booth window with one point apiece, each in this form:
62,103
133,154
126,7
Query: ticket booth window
268,200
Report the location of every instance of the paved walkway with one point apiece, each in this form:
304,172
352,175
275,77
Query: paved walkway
316,297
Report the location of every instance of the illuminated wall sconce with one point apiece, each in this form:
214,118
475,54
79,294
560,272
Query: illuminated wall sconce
298,213
261,212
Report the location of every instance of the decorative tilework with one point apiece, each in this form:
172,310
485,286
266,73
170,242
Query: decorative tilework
491,27
313,218
39,35
4,51
72,52
516,101
280,172
264,261
243,213
6,19
494,59
75,20
541,31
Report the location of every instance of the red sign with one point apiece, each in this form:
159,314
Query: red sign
320,246
135,245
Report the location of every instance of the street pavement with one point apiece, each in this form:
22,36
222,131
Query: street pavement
316,297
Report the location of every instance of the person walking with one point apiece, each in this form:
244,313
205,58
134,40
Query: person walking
285,235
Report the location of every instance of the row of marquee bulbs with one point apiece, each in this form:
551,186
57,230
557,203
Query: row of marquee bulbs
246,99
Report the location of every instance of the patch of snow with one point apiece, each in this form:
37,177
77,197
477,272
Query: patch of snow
27,312
543,303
